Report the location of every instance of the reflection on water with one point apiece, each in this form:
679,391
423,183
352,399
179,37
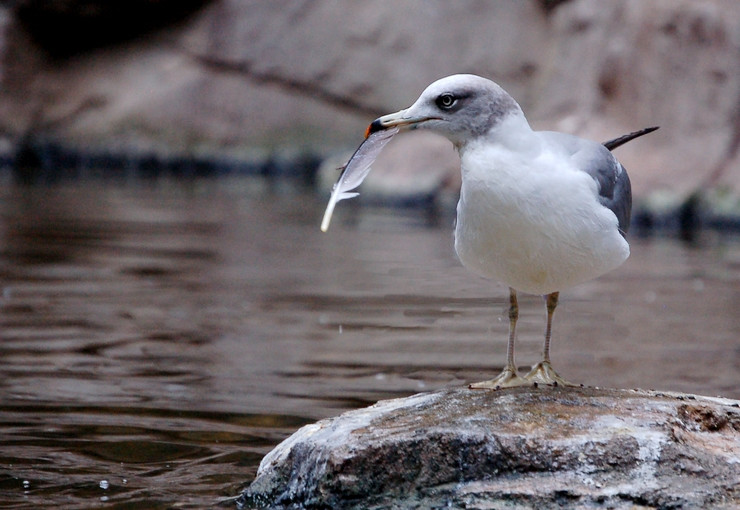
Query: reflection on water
156,341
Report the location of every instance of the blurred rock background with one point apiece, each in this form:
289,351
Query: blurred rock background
194,84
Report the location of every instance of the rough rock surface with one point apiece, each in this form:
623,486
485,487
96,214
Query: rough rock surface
230,76
518,448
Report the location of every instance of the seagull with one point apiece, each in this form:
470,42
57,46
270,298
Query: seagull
539,211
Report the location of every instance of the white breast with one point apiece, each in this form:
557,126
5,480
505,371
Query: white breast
533,221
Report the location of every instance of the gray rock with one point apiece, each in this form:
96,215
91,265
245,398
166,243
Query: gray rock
519,448
237,75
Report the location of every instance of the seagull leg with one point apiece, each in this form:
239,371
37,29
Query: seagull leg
509,377
542,372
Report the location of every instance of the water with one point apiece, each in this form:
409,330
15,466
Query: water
157,340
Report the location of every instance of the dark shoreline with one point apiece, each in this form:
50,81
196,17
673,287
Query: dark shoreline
39,162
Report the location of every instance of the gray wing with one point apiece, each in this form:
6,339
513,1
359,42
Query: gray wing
621,193
618,198
615,190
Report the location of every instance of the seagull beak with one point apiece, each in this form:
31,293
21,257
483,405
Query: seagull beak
398,119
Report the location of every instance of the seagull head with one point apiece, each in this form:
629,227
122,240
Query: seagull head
461,107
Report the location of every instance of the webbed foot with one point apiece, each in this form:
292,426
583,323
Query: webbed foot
507,379
543,373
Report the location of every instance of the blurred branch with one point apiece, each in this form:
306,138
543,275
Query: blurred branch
304,88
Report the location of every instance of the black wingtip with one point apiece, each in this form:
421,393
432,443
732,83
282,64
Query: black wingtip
616,142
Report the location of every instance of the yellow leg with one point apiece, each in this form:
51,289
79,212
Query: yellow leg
508,377
542,372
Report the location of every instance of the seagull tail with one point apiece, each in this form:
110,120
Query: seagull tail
616,142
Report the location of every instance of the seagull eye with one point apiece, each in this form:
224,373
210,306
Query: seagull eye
446,101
